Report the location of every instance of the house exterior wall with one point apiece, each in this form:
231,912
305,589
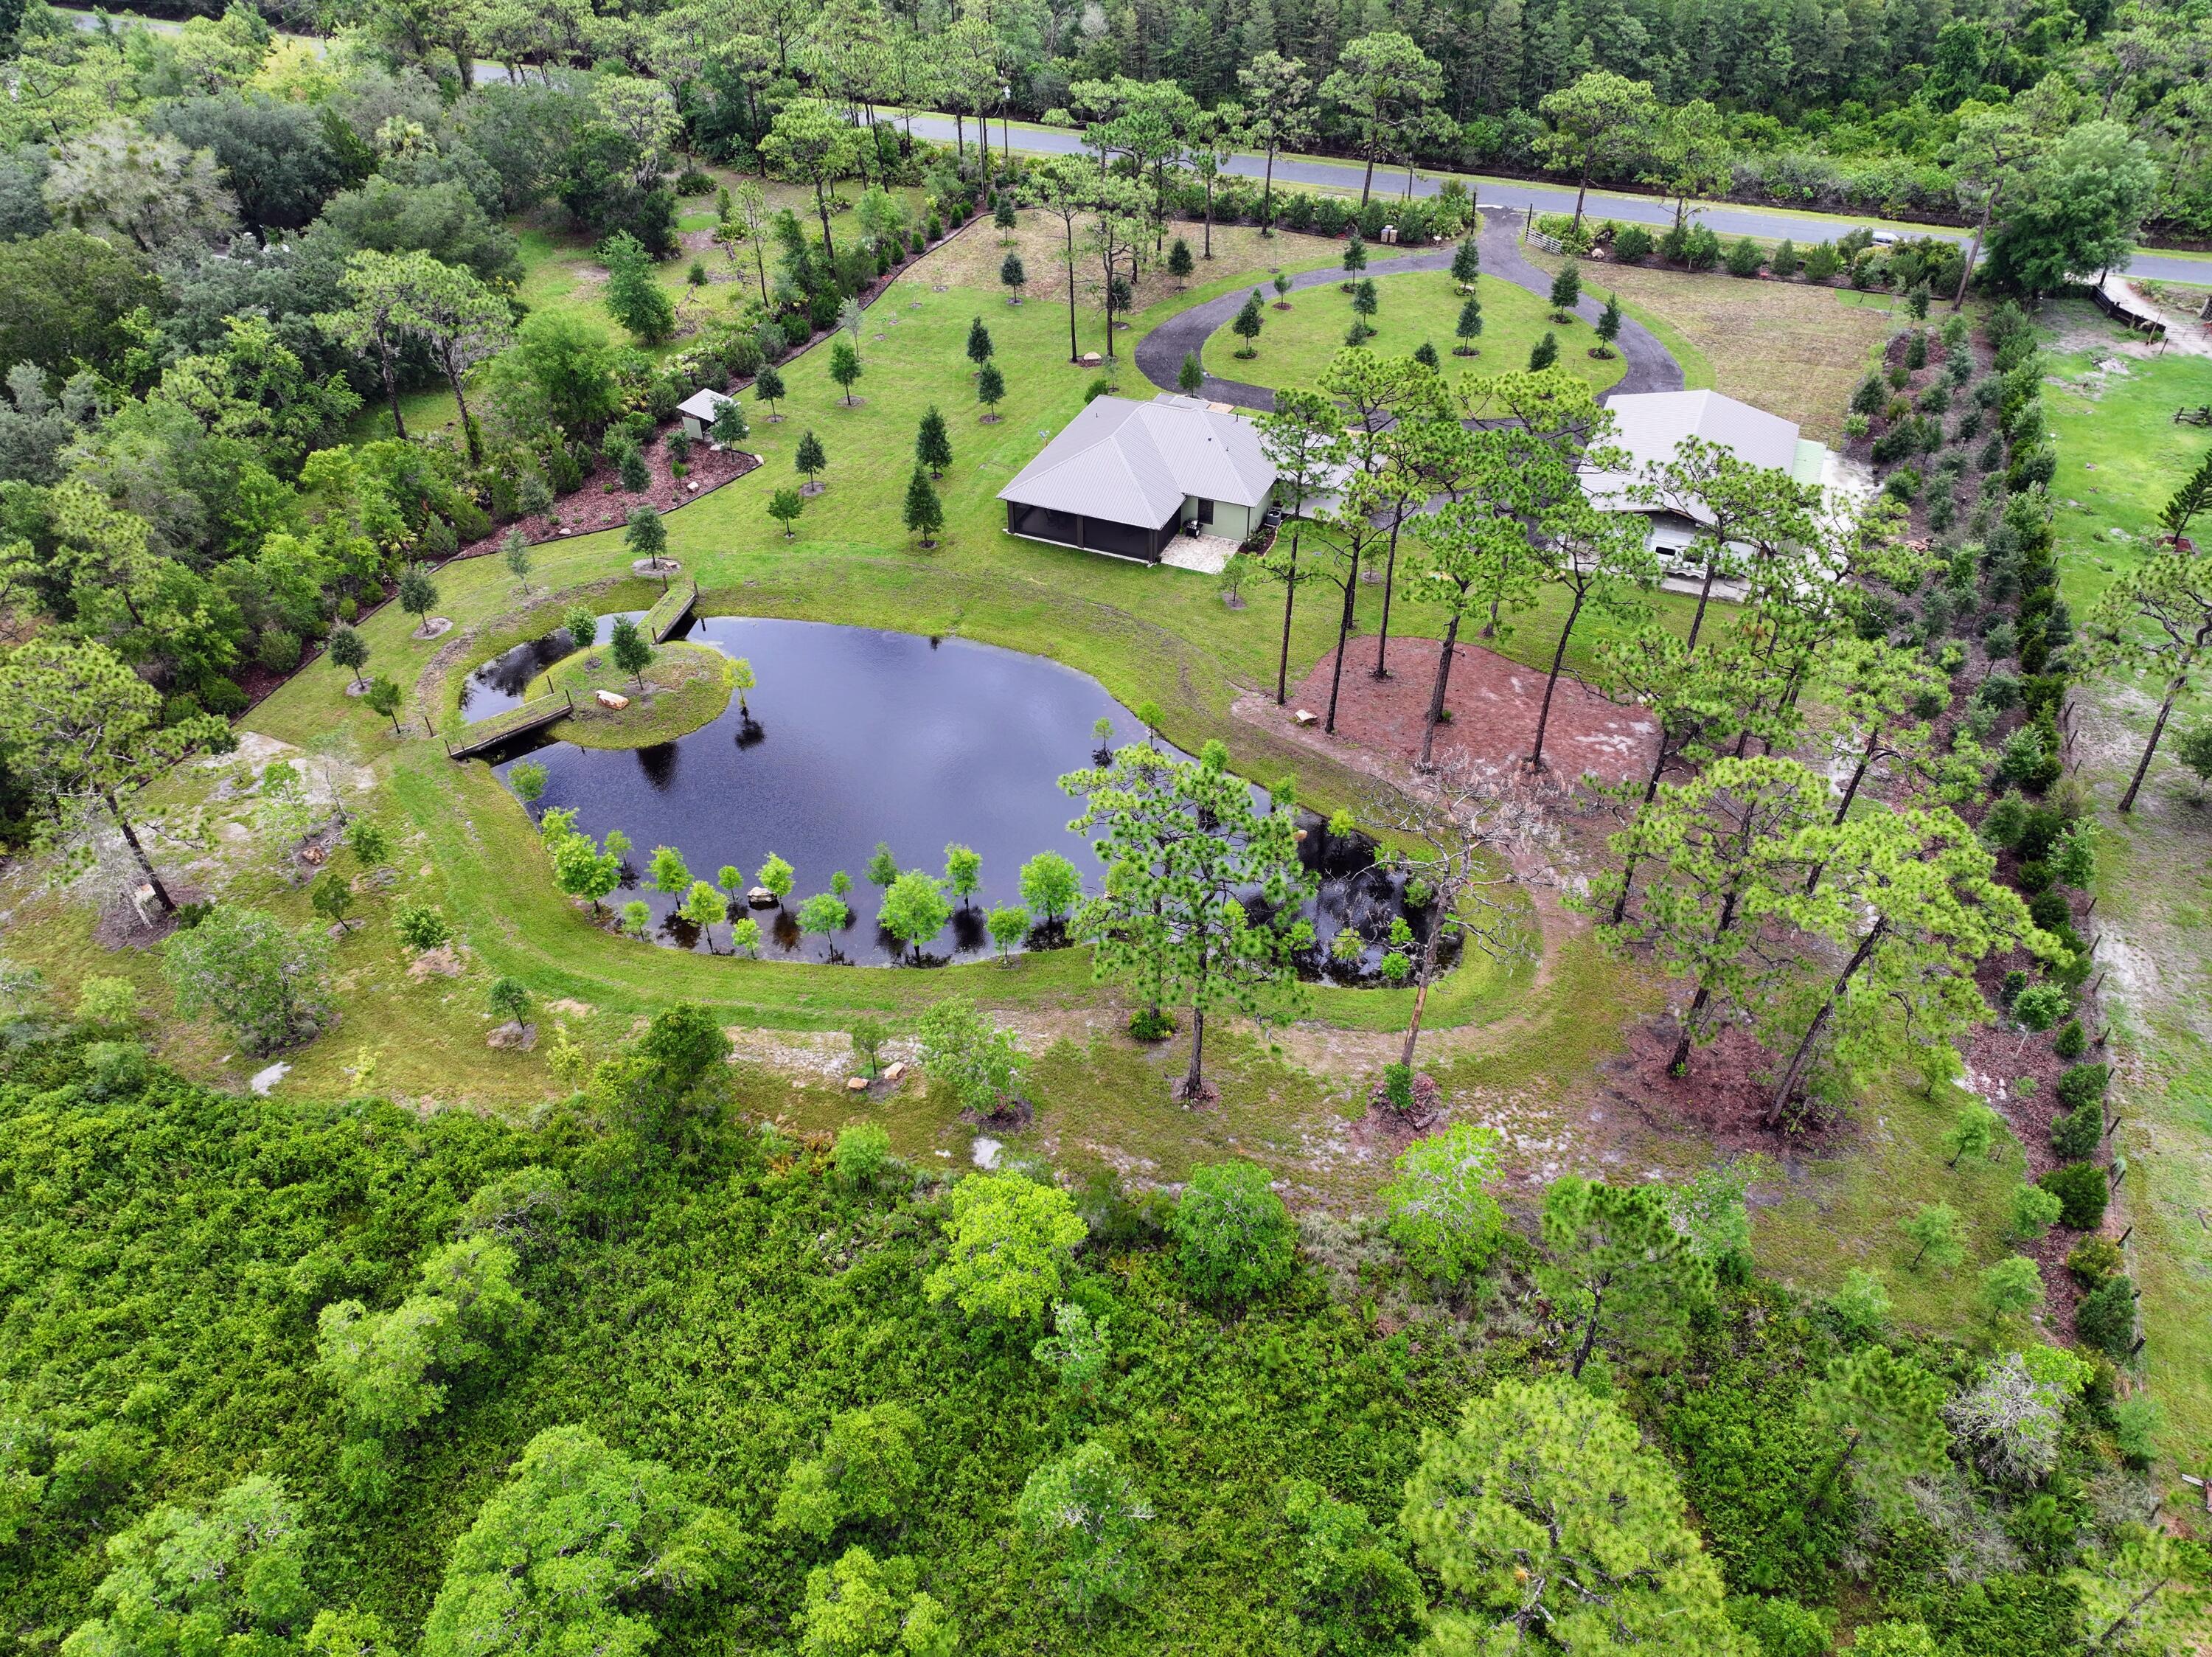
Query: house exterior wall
1223,518
695,428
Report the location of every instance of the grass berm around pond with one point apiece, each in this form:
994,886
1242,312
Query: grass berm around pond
684,687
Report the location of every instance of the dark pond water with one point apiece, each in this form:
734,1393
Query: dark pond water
856,736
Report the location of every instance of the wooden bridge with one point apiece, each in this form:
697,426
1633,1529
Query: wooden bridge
486,734
671,613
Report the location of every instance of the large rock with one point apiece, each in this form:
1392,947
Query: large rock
513,1037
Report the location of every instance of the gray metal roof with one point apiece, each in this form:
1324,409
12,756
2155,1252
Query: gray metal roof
1650,424
1134,463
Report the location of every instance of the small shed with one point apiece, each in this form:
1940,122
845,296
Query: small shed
698,412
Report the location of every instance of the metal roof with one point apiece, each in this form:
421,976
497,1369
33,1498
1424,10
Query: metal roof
1649,425
1134,463
704,405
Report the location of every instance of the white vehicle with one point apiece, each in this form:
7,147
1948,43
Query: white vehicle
1884,238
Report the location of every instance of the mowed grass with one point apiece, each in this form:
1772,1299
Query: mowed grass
1785,347
686,686
2120,456
1416,308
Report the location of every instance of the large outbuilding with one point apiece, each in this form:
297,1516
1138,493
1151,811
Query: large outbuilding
1126,478
1651,425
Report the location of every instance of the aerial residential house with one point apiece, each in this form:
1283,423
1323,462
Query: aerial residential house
698,412
1126,478
1649,425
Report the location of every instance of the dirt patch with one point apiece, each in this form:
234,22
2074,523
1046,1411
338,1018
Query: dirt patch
1493,703
443,962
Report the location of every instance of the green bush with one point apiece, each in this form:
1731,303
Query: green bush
1631,244
2106,1319
1783,1627
2075,1136
2081,1186
1822,262
2071,1041
1234,1237
2082,1083
1744,258
2095,1260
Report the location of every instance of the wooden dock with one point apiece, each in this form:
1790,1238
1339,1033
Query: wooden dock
515,721
665,617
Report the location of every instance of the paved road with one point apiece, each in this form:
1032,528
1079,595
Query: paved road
1159,354
1724,220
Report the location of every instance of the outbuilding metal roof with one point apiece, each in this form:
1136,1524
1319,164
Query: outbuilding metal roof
1134,463
704,405
1649,425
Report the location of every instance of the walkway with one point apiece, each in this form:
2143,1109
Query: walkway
1159,354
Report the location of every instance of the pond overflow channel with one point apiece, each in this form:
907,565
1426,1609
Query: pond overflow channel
854,736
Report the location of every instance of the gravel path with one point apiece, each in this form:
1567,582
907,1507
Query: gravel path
1160,353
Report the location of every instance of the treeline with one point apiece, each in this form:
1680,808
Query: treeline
335,1377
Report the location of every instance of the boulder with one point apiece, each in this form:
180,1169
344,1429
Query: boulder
1306,716
894,1071
513,1037
612,699
761,898
856,1084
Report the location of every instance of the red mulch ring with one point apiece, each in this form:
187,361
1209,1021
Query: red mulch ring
1493,703
589,508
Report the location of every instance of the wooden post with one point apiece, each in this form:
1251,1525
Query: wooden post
2125,1235
2116,1122
2136,1347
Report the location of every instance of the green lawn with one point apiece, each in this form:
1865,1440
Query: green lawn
1416,307
686,686
2120,456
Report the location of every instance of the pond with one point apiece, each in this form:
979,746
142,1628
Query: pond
856,736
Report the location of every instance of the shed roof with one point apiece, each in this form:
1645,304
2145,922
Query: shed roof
1649,425
704,404
1128,462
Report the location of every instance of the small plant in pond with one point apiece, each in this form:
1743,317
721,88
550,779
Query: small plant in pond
732,880
706,909
1101,730
1008,924
636,918
811,460
633,652
914,910
667,873
785,506
964,871
1150,716
1050,887
883,868
842,884
528,781
824,914
776,875
933,443
745,937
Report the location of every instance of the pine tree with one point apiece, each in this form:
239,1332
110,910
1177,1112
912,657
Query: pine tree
1247,326
990,389
979,343
1355,256
1190,377
1466,263
768,385
1468,328
1545,354
845,367
1566,291
924,513
1014,277
1608,325
933,443
1180,263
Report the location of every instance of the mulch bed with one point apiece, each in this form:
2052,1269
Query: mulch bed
1493,703
589,508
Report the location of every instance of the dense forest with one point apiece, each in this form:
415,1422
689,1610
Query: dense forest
651,1375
